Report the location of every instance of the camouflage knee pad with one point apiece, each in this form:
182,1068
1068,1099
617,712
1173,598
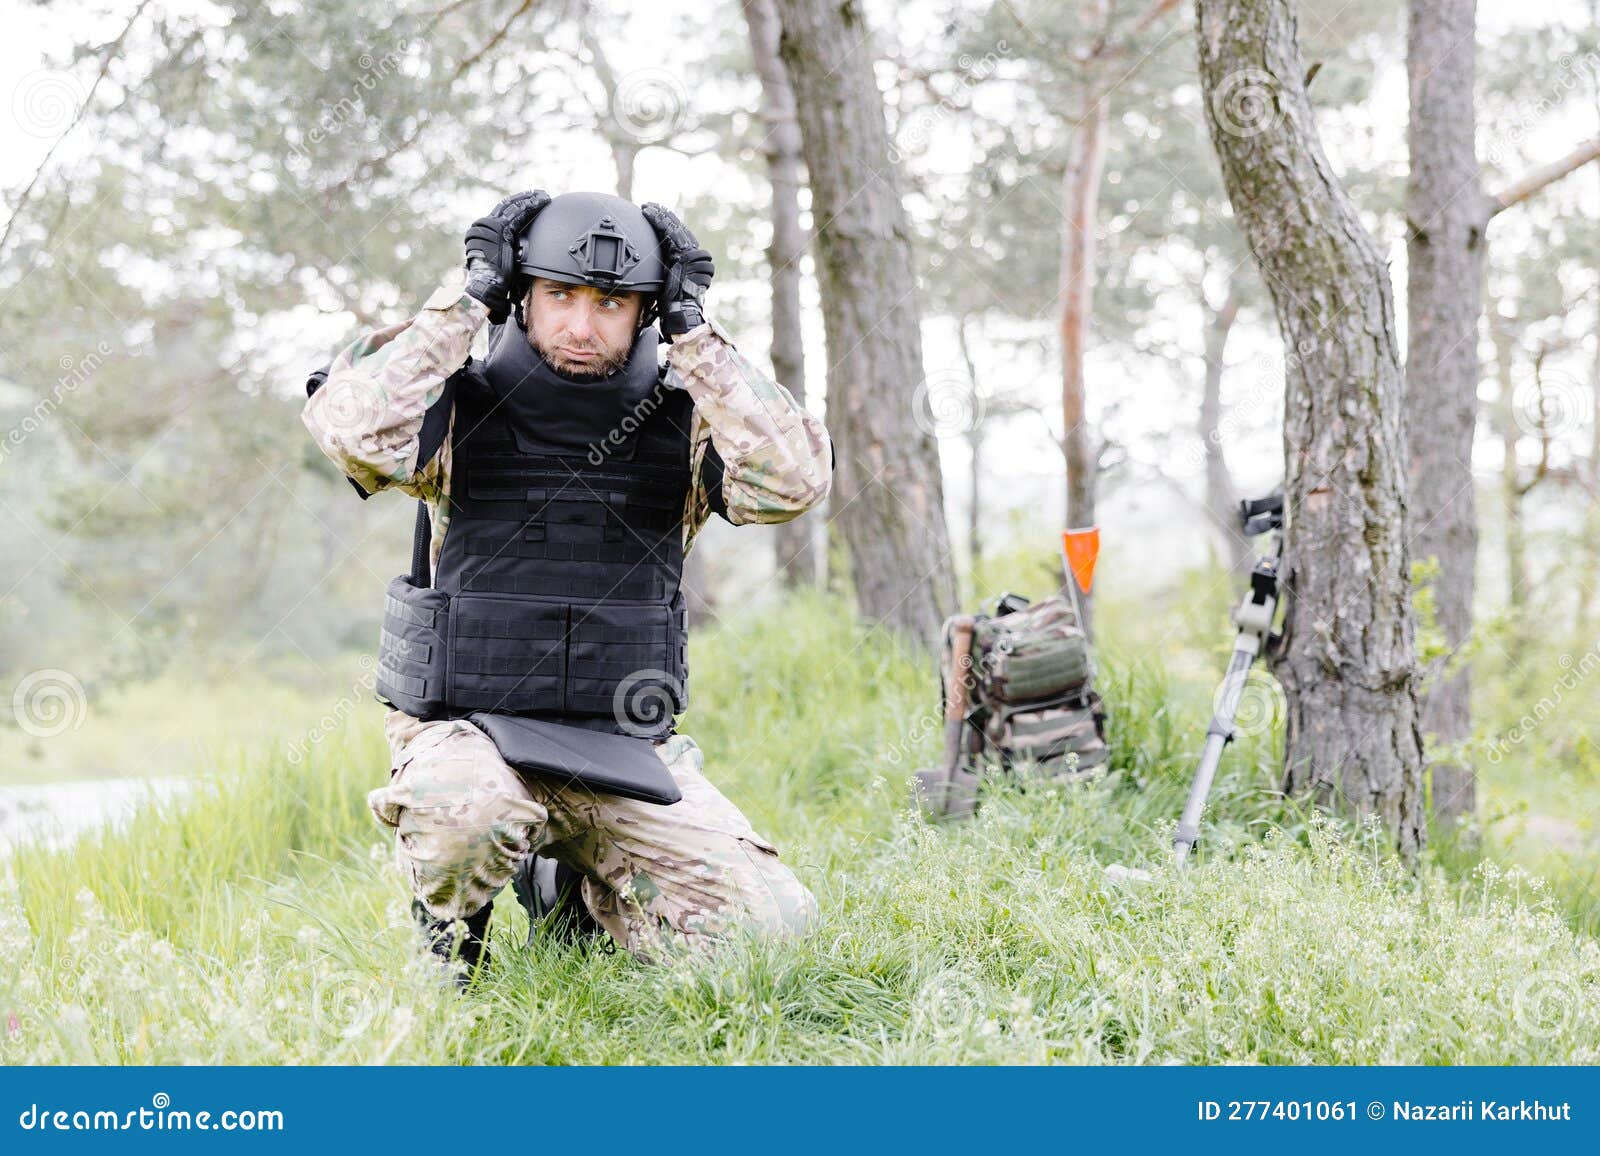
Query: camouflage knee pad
463,820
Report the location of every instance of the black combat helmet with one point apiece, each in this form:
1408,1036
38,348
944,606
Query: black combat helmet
593,239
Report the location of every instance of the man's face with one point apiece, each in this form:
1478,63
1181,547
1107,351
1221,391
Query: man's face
582,331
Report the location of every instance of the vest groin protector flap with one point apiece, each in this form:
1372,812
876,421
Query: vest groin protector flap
609,763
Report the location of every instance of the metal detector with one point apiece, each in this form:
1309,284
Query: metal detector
1254,616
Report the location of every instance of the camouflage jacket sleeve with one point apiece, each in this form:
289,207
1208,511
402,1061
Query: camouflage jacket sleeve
368,414
777,460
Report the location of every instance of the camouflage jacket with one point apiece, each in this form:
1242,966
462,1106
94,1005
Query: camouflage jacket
368,417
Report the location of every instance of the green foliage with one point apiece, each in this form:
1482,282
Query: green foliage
1534,701
263,923
1430,640
254,185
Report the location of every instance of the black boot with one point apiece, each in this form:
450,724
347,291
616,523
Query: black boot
551,893
440,936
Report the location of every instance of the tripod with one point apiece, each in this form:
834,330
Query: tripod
1254,617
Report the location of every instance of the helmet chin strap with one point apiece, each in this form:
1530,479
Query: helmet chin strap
648,312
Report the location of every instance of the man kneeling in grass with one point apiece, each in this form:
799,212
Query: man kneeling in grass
565,477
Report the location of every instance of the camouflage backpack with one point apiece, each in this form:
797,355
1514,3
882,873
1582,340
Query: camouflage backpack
1018,698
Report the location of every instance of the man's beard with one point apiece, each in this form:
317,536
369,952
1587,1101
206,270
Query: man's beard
584,371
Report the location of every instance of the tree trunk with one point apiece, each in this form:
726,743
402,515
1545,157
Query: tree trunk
1512,490
1516,538
890,498
797,554
624,158
1222,499
1080,211
1348,663
1102,66
974,437
1592,468
624,146
1591,516
1446,215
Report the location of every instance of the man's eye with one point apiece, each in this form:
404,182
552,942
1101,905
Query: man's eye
611,303
558,294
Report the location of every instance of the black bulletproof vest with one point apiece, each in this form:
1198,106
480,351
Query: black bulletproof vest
558,587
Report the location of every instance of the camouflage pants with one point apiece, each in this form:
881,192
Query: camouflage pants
463,819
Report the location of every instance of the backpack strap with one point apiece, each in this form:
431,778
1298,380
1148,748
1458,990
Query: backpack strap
421,547
435,426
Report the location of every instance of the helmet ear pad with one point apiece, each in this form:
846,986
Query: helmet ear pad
649,310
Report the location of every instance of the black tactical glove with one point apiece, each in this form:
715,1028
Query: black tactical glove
689,271
492,251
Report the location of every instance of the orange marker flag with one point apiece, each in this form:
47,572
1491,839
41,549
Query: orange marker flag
1082,550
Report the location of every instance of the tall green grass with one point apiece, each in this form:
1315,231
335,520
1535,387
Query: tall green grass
1536,694
262,922
183,720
